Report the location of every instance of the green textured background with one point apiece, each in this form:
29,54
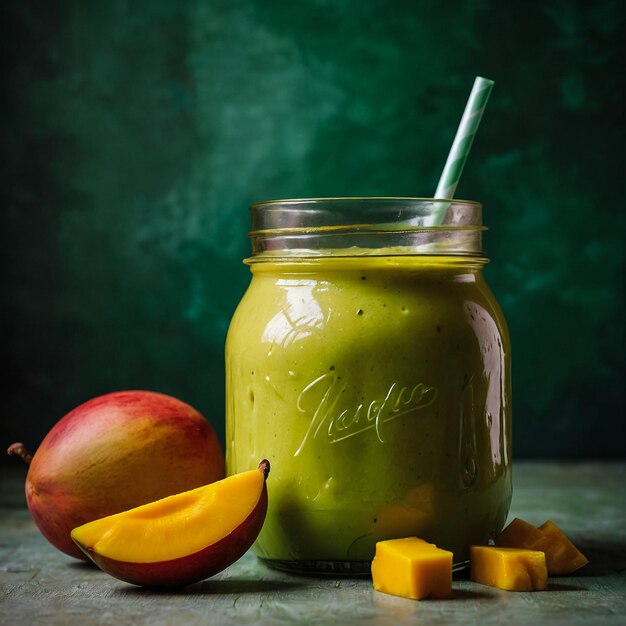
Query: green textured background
135,135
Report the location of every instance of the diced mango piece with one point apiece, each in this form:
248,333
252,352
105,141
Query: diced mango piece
508,568
521,534
562,557
412,568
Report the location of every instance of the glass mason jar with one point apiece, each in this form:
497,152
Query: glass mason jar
370,363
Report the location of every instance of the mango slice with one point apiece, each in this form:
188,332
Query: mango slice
511,569
183,538
562,556
412,568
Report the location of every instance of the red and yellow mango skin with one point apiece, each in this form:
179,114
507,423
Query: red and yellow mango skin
116,452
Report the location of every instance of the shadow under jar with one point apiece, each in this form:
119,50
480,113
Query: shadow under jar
370,363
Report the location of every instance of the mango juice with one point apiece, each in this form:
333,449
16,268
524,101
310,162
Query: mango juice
378,386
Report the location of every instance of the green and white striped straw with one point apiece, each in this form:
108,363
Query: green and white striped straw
461,145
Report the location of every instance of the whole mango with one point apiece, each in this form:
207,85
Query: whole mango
113,453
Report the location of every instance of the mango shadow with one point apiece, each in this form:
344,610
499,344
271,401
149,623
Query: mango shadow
212,588
605,558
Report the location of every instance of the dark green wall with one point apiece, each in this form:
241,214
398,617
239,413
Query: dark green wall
135,135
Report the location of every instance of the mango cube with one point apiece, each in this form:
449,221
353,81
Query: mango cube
521,534
562,556
511,569
412,568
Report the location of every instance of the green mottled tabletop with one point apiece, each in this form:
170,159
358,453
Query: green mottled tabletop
39,585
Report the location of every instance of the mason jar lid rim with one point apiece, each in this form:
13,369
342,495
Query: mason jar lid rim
356,229
321,200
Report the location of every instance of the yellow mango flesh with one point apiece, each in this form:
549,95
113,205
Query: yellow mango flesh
511,569
412,568
175,526
562,556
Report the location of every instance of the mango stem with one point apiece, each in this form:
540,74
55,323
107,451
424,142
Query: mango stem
19,449
264,466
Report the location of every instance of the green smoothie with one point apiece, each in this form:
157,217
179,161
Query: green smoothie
379,389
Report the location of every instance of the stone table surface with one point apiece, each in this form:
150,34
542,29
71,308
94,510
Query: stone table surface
39,585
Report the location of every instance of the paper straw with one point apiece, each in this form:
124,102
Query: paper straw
461,145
